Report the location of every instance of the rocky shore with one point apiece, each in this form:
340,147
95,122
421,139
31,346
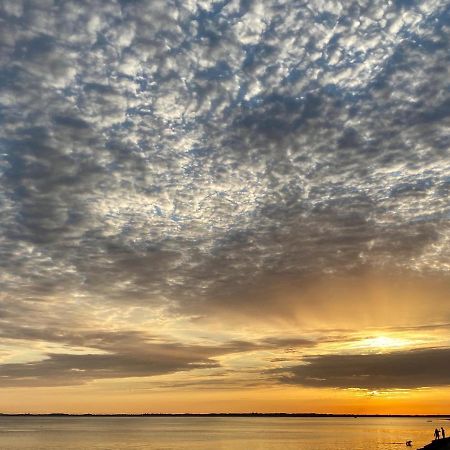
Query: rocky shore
438,444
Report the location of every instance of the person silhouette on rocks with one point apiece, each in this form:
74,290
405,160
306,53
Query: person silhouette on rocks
443,433
436,433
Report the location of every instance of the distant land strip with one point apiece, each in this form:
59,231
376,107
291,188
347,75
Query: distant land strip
251,414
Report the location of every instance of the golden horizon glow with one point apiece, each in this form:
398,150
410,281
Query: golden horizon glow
107,399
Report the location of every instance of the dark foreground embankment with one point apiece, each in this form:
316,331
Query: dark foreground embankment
438,444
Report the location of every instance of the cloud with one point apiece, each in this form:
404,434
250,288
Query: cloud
105,355
67,369
83,355
398,370
192,157
288,342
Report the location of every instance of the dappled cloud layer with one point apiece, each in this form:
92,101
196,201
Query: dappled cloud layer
168,168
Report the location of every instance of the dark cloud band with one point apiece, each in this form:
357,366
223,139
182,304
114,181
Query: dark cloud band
397,370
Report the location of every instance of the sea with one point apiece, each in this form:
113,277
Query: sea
218,433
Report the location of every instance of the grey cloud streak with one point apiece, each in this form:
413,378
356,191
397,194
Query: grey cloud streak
116,354
398,370
113,355
67,370
179,153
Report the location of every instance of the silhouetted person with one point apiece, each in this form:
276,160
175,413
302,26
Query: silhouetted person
436,433
443,433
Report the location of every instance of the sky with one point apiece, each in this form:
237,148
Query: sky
225,206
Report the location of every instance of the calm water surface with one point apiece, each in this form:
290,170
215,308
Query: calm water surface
219,433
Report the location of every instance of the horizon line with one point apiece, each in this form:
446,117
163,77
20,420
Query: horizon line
220,414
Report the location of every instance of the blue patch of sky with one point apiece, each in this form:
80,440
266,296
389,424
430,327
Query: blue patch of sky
210,26
158,211
255,51
405,4
201,152
220,71
410,187
327,18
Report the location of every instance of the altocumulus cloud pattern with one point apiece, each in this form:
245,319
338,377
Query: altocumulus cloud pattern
169,152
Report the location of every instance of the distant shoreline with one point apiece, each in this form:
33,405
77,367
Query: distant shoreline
318,415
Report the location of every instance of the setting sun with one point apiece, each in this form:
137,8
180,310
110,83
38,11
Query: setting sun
383,343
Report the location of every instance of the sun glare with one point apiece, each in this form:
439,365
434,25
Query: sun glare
382,343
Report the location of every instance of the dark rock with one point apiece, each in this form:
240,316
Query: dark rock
438,444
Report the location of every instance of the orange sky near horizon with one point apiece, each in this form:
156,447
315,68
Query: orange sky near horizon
272,400
259,365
